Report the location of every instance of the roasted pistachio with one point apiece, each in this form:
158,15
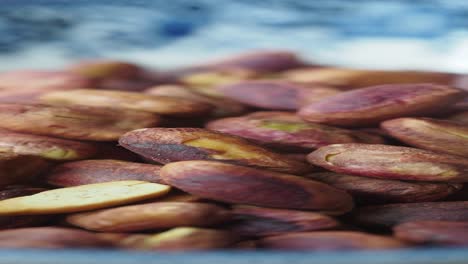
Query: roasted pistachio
82,198
286,131
331,240
77,122
162,105
243,185
150,216
391,162
97,171
443,233
431,134
274,94
252,221
166,145
371,190
371,105
389,215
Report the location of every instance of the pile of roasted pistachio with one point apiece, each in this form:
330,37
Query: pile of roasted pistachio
258,151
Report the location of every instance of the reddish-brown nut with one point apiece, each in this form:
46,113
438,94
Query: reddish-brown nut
223,106
243,185
258,61
77,122
7,222
106,69
112,150
162,105
461,105
391,162
123,240
392,214
371,105
431,134
297,156
461,117
443,233
150,216
51,238
179,196
124,85
461,195
166,145
18,190
275,94
371,191
354,78
286,131
186,239
254,221
246,245
330,240
96,171
20,169
45,147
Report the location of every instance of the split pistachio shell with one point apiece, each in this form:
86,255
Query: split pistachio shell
82,198
391,162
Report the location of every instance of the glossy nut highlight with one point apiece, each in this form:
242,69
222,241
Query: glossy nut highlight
252,221
392,214
371,105
45,147
98,171
82,198
431,134
444,233
243,185
370,191
162,105
391,162
150,216
330,241
77,122
166,145
286,131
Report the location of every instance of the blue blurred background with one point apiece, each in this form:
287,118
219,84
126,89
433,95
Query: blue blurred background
399,34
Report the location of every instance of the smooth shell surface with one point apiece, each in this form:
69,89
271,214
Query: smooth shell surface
82,198
369,106
391,162
244,185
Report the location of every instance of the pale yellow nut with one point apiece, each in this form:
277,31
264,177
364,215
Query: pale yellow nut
82,198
